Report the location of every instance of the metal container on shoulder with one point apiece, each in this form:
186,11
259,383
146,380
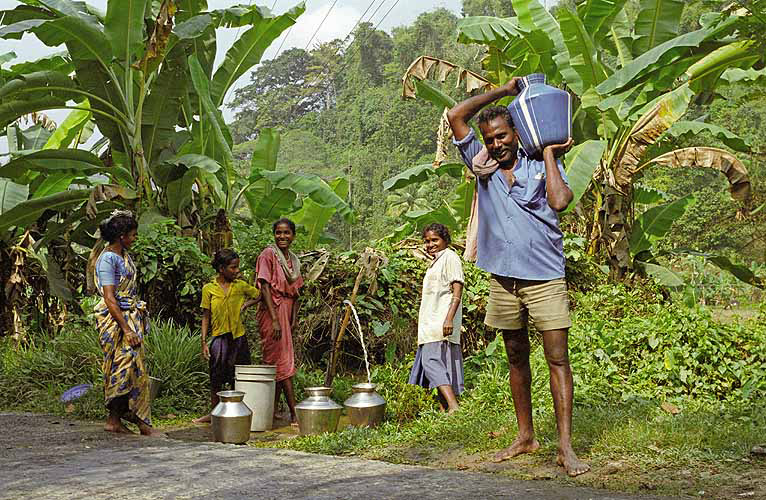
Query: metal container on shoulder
231,418
365,407
318,413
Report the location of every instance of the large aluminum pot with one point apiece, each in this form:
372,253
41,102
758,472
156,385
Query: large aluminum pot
318,413
365,407
231,418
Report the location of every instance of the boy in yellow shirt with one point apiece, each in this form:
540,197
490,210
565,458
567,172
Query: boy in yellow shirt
223,300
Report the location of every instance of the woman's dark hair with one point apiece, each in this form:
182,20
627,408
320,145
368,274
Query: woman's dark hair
117,225
439,229
283,220
223,258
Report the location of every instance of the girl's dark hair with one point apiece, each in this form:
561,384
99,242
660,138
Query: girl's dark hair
439,229
223,258
117,225
283,220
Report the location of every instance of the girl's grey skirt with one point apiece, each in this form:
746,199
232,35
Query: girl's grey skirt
438,363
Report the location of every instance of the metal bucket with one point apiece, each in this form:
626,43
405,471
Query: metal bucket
257,370
155,384
259,397
318,413
365,407
231,418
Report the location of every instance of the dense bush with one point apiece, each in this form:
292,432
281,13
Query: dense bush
172,270
33,377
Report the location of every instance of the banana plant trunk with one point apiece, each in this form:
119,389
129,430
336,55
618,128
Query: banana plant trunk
614,231
219,236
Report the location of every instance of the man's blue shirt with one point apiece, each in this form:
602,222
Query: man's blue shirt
518,234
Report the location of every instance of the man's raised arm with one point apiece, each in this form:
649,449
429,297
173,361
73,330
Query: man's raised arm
461,114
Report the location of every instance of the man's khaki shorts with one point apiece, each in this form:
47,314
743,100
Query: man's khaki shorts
513,302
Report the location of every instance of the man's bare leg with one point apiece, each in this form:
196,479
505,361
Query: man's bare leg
520,376
562,390
206,419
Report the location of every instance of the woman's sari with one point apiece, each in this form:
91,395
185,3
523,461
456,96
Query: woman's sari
123,366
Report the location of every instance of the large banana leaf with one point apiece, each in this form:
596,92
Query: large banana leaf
442,215
73,161
54,62
686,129
11,194
739,271
265,152
311,185
462,201
597,16
124,28
657,22
69,129
660,116
704,74
583,57
274,204
663,54
492,31
548,42
433,95
35,137
733,75
248,49
28,211
581,161
718,159
655,223
662,275
646,195
314,216
38,85
618,39
83,39
420,173
160,110
217,147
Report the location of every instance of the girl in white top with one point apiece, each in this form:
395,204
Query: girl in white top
439,360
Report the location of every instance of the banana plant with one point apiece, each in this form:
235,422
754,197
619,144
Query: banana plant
147,72
631,80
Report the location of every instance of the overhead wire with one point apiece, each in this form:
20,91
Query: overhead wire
320,24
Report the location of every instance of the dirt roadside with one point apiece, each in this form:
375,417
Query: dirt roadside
43,456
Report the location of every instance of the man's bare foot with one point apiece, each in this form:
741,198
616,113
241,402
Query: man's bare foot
519,446
117,428
452,410
203,420
571,464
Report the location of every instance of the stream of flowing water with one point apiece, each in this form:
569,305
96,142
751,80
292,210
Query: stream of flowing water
361,339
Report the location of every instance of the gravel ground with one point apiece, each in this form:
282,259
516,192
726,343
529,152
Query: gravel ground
43,456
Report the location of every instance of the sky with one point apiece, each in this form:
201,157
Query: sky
342,17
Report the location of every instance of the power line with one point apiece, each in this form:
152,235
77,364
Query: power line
320,24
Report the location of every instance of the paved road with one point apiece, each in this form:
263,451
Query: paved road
46,457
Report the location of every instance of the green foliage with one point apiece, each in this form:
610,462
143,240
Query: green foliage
173,355
172,270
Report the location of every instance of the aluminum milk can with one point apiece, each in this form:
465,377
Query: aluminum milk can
541,114
365,407
318,413
231,418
